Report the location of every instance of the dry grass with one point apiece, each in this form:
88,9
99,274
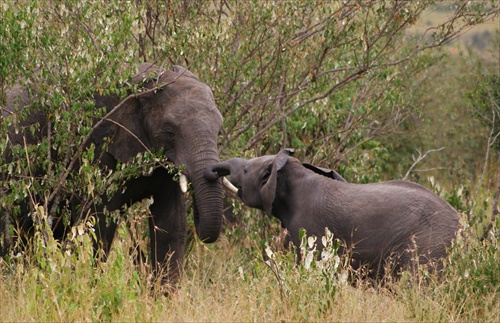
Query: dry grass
229,282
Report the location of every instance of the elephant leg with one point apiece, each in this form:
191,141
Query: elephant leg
105,233
167,229
135,190
104,228
6,242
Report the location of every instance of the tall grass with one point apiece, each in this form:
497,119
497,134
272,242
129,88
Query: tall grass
233,281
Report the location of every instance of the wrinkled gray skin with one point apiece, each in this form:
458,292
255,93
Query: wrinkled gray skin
181,119
376,221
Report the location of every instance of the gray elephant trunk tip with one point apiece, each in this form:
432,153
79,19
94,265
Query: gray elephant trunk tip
214,172
211,175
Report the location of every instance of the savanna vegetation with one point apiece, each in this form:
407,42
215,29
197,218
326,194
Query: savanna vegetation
375,89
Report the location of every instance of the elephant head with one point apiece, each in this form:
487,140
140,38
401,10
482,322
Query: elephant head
176,114
255,179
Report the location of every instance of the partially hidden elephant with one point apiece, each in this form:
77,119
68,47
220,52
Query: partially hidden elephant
179,118
396,221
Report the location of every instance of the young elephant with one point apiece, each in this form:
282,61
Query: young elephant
394,220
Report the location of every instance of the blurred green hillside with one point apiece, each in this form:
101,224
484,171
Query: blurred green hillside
449,115
477,37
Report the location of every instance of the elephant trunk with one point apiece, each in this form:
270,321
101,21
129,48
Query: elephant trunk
213,172
207,201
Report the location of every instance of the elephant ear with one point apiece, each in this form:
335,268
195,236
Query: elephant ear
147,72
268,190
129,136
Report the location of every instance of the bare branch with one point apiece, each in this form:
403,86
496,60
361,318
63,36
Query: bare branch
494,208
490,141
420,158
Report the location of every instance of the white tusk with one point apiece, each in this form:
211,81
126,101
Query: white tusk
230,187
183,183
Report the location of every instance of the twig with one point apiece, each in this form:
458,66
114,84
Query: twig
271,263
419,159
431,169
491,140
494,208
130,133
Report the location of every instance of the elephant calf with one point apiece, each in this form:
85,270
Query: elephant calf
397,220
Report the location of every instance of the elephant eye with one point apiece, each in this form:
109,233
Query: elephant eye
168,133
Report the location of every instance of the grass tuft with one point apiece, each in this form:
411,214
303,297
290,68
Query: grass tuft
240,278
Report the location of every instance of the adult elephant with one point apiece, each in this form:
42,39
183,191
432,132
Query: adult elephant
175,113
386,224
